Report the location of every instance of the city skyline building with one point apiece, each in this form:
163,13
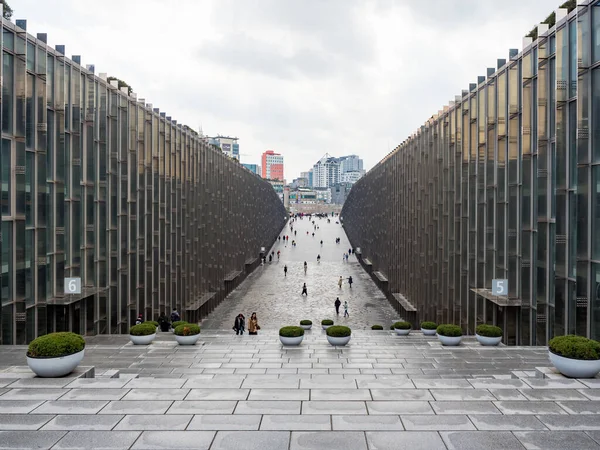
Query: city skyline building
228,145
272,166
254,168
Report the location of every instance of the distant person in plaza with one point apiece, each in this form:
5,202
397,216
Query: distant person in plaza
304,291
346,309
163,322
350,281
318,258
285,271
321,243
270,258
337,305
340,282
253,326
139,319
305,266
239,324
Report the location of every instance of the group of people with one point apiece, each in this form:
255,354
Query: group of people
239,324
163,321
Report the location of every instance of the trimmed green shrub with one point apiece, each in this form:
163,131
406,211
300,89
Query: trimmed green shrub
488,330
187,329
402,326
305,322
376,327
291,331
449,330
55,345
143,329
575,347
179,322
391,326
326,322
428,325
338,331
153,322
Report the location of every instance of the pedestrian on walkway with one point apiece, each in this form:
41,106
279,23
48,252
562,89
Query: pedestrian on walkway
253,325
140,319
285,271
346,309
239,324
340,282
304,291
305,267
175,317
350,281
278,254
337,306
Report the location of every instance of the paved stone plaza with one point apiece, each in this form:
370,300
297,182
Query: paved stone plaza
278,299
381,392
248,392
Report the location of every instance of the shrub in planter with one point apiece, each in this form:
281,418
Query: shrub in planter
142,334
326,323
402,328
449,334
338,335
176,324
575,356
55,354
306,324
376,327
428,328
187,333
153,322
488,334
291,335
392,327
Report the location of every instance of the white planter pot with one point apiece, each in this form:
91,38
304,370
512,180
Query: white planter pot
428,332
326,326
142,340
306,327
55,367
575,368
449,340
291,340
484,340
401,332
338,340
187,340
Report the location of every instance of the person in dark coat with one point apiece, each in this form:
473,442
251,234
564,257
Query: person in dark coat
337,305
139,320
163,323
304,290
239,324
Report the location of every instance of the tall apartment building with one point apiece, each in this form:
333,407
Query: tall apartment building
326,172
228,145
501,183
272,165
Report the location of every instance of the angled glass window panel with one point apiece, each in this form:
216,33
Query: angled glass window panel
596,213
6,176
30,112
31,56
8,93
8,40
595,122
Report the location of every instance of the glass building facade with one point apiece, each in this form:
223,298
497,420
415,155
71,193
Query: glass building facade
503,183
99,185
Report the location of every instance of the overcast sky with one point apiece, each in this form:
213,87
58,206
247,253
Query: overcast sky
301,77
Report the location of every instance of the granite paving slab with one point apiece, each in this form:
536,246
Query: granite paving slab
398,407
334,407
584,422
296,422
428,422
225,422
136,407
217,394
457,407
16,422
201,406
366,423
478,440
154,422
529,407
29,439
494,422
558,440
18,406
94,394
70,407
581,407
279,394
268,407
462,394
34,394
339,394
109,440
251,440
198,440
413,440
68,422
333,440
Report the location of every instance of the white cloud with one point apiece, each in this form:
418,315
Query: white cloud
299,77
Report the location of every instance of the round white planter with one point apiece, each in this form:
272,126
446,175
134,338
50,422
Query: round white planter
484,340
428,332
187,340
338,340
326,326
449,340
401,332
55,367
142,340
306,327
575,368
291,340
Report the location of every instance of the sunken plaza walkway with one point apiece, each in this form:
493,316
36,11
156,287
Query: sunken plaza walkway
380,392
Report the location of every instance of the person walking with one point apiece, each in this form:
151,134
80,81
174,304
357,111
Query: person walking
346,309
340,282
350,281
285,271
239,324
278,254
304,291
305,267
253,325
139,319
337,305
